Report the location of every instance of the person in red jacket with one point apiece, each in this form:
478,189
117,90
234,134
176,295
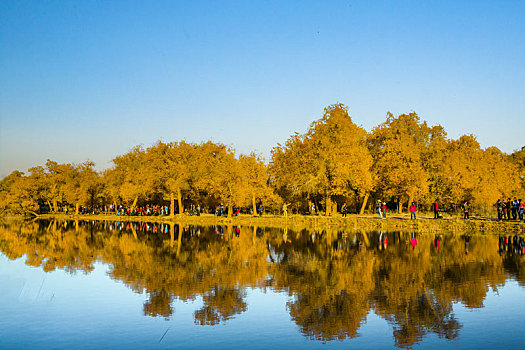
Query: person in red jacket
413,210
435,209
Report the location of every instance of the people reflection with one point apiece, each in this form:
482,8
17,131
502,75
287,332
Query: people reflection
382,240
413,240
466,238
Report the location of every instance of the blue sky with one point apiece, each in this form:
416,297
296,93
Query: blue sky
90,79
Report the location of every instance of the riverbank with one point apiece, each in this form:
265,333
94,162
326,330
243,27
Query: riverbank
298,222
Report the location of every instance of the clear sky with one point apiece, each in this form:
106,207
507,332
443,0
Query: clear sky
90,79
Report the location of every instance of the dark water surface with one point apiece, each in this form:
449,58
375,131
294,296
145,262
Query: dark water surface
122,285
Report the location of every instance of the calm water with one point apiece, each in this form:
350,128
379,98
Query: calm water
121,285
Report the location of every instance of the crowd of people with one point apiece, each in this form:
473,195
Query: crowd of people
507,209
510,209
147,210
162,210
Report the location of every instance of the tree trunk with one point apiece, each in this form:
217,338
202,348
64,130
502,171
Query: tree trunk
328,206
254,205
55,206
363,206
50,206
410,199
230,201
76,208
172,204
134,203
399,205
179,199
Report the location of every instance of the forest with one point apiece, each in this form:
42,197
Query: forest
400,161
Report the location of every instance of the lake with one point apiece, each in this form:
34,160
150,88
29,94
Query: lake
144,285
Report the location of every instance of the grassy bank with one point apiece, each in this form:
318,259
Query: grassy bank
352,222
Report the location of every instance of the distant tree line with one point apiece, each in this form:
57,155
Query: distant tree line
402,160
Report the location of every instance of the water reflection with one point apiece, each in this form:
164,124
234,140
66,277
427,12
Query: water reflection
334,278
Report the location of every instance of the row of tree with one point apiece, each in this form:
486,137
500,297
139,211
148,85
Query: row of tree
400,161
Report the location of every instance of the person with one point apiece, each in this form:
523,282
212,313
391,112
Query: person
285,209
384,210
413,210
465,211
379,209
514,209
522,208
499,209
504,208
435,209
312,209
509,208
343,210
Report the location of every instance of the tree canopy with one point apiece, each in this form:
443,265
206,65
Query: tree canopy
334,162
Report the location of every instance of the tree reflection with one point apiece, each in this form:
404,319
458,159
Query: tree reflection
328,317
158,304
220,304
335,278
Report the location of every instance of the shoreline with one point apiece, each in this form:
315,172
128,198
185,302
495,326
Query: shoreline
353,222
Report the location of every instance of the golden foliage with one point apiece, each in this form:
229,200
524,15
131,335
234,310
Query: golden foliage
335,161
330,159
